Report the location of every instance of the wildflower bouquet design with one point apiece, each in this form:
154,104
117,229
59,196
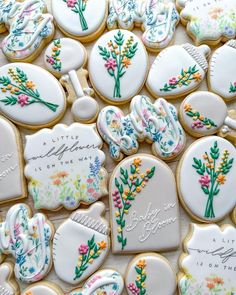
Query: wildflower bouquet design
138,288
199,121
79,7
212,176
118,57
54,59
21,90
185,78
127,187
232,88
87,253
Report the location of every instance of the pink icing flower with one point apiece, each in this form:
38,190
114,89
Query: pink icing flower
111,64
91,190
23,99
89,180
134,290
117,201
83,249
173,81
17,229
197,125
205,180
96,195
50,60
71,3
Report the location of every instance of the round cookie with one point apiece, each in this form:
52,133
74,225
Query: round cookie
84,20
223,60
207,265
8,285
43,288
206,179
117,58
30,96
178,70
150,274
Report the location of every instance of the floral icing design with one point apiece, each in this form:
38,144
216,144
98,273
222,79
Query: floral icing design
212,177
79,7
128,186
87,254
138,288
186,77
232,88
20,90
28,240
199,121
118,58
54,60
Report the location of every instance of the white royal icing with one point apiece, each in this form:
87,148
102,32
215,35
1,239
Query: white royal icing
206,178
158,18
85,239
223,59
210,20
208,264
117,58
43,288
155,122
28,240
64,166
30,96
105,281
6,288
144,206
178,70
79,18
150,274
11,163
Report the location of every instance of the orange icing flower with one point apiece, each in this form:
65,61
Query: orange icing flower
126,62
28,293
141,263
218,281
137,162
102,245
197,77
210,286
62,174
221,179
29,84
138,189
57,182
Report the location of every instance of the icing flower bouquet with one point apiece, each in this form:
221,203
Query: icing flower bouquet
79,7
138,288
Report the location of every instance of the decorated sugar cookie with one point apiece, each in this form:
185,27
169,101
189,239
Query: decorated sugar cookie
234,215
156,123
199,117
207,265
223,58
158,20
104,281
11,163
30,28
180,4
64,166
8,286
43,288
28,240
209,21
143,206
30,96
57,59
178,70
150,274
85,239
206,179
84,20
117,58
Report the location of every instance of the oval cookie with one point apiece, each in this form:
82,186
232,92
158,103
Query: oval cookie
30,96
117,58
206,179
150,274
43,288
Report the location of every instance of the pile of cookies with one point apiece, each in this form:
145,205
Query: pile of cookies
63,168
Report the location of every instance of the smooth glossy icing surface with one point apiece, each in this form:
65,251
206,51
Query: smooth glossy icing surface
43,288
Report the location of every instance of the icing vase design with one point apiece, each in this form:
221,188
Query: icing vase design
211,162
8,286
29,28
81,19
207,264
28,240
158,19
64,166
139,227
178,70
102,282
88,233
57,59
225,85
142,272
115,60
30,96
209,21
157,123
43,287
11,160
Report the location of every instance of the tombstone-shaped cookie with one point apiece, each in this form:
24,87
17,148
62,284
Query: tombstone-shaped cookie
144,206
11,163
8,285
84,237
178,70
64,166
